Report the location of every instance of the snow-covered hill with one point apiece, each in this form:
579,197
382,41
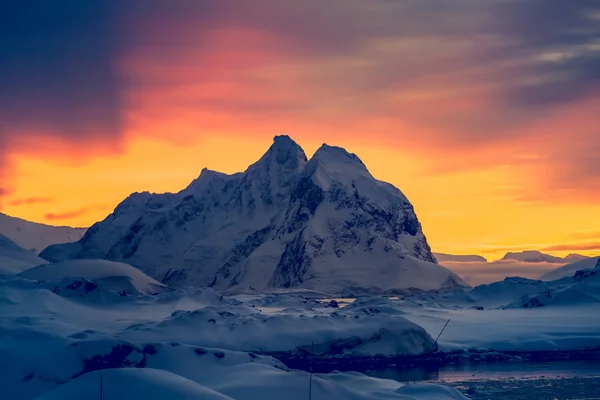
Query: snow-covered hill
324,224
14,259
120,277
244,381
36,237
572,268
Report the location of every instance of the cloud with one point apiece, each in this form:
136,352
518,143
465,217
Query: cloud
479,85
573,246
3,192
480,79
588,234
57,74
65,215
30,200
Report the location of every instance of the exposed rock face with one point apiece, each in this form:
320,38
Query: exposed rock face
324,224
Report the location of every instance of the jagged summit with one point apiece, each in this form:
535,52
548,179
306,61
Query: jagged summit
284,141
283,152
323,224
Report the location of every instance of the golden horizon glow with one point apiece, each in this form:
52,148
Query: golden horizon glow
461,213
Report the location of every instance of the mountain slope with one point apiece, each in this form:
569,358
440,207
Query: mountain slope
14,259
36,237
323,224
570,269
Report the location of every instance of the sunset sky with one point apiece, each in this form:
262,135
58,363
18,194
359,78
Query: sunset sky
486,114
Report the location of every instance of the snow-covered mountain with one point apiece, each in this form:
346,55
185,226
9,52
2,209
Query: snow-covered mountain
442,257
36,237
14,259
575,257
324,224
532,256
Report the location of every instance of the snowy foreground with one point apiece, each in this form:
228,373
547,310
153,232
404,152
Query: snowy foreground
58,338
59,334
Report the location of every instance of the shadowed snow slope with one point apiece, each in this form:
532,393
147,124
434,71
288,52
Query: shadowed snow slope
14,259
324,224
129,384
570,269
242,382
106,272
36,237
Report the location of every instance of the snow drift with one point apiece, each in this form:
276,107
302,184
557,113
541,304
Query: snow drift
118,276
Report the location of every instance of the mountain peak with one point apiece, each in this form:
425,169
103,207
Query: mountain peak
284,140
269,180
335,153
284,151
332,164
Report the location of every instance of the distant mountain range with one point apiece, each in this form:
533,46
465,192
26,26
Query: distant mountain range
528,264
324,224
528,256
535,256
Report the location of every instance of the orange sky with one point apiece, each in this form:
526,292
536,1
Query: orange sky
493,140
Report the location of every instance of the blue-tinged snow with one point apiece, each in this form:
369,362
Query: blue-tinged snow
15,259
197,342
194,343
117,276
570,269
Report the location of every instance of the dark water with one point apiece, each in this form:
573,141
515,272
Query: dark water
556,380
494,371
